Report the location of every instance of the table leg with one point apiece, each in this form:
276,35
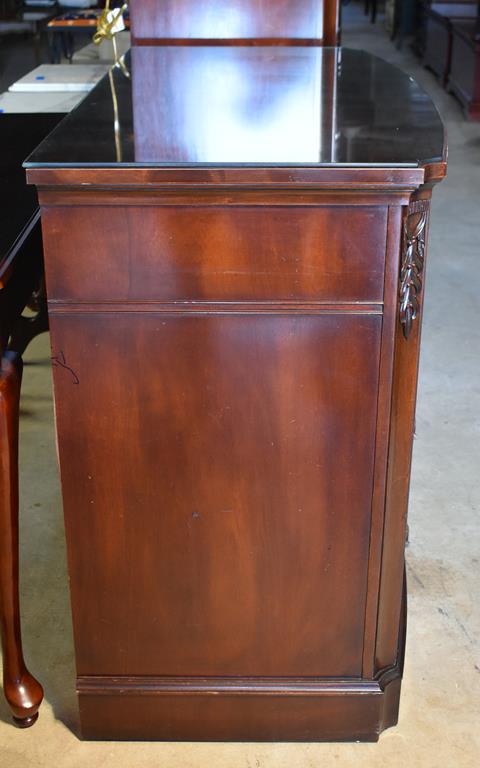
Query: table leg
23,693
68,45
52,46
27,328
37,33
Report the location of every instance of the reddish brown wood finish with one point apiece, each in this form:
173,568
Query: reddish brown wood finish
234,395
311,254
300,184
402,423
235,351
23,693
243,22
232,428
237,484
21,270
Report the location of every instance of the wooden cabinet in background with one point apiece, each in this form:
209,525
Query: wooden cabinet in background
464,80
440,18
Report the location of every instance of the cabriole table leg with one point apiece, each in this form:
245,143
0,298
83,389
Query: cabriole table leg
23,693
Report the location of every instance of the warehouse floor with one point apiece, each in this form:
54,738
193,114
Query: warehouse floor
439,718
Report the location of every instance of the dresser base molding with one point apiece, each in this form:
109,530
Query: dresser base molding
242,708
237,709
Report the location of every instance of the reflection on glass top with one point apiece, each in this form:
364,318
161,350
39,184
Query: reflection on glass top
199,106
232,20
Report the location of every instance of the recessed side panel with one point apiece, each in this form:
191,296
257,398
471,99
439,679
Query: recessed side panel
213,253
217,475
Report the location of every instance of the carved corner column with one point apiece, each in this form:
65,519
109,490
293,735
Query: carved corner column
413,262
23,692
389,651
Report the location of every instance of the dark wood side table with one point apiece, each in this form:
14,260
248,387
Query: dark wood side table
464,80
21,276
235,310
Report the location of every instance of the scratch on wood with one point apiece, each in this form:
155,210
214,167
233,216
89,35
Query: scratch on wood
59,361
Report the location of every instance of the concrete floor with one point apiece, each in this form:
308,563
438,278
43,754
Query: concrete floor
440,718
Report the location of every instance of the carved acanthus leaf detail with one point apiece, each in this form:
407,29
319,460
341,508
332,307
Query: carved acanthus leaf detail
412,263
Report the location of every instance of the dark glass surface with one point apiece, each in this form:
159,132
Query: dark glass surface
250,106
19,134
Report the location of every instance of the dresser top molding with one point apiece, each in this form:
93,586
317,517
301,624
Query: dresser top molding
251,117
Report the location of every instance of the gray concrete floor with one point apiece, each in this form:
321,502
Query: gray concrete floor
439,719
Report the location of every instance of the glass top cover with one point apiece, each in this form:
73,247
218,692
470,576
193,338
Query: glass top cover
242,106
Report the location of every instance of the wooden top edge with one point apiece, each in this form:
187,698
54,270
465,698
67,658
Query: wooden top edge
227,41
435,172
321,177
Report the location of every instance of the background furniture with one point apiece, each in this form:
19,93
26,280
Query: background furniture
419,19
371,7
66,29
235,314
464,79
18,18
438,39
21,281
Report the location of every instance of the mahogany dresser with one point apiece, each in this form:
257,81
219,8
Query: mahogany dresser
235,252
